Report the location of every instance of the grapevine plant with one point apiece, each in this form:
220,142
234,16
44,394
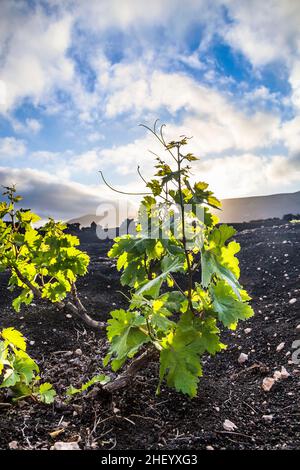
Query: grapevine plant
184,280
18,371
43,263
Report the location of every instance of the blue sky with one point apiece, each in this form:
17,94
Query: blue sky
77,77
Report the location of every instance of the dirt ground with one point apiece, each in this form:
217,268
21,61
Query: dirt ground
136,418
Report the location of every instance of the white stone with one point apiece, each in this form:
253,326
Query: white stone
277,375
268,418
280,347
13,445
229,425
247,330
292,301
242,358
268,383
65,446
284,373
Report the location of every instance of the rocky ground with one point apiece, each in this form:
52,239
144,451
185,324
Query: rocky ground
68,353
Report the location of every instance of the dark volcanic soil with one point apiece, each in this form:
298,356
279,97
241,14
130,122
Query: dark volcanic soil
136,418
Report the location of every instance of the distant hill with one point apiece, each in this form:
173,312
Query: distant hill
237,210
244,209
85,220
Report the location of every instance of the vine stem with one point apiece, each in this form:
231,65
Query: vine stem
121,192
190,272
75,307
124,379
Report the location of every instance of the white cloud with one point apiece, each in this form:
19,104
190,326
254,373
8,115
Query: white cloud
95,137
34,58
44,193
86,162
249,174
45,156
51,197
3,97
295,82
264,31
215,121
30,126
229,175
267,32
261,95
33,125
11,147
126,158
67,164
35,62
290,134
132,14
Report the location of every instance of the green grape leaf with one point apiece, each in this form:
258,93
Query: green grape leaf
25,366
46,393
122,260
227,306
25,297
210,220
210,335
212,266
168,266
160,322
134,274
27,216
220,235
11,377
229,259
154,249
180,357
3,355
126,332
200,186
214,202
155,187
173,300
14,337
148,202
190,157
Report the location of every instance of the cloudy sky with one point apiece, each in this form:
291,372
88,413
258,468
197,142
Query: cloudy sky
77,77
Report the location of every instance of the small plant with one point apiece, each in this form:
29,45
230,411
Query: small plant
44,263
97,379
18,371
183,274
